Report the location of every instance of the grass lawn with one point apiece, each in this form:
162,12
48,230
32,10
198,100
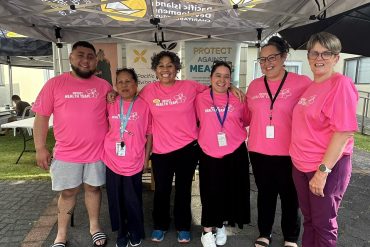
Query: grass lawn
362,142
26,169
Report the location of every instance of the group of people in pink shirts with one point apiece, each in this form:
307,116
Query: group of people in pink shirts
299,143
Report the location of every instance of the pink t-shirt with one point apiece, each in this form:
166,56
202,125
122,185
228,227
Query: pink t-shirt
173,113
259,107
80,116
324,108
237,119
138,126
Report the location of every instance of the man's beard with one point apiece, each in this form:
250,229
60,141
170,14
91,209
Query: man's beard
82,74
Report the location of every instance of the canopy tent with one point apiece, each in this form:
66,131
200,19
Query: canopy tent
351,27
162,21
24,52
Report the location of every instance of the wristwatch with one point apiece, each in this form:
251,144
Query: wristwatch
324,168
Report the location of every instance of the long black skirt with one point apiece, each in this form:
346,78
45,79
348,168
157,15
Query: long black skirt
225,188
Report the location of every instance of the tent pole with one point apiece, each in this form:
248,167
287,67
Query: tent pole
59,46
10,78
60,65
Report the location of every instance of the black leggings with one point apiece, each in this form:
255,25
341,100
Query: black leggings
273,177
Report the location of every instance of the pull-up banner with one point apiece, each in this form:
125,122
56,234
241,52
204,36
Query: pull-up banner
199,57
138,56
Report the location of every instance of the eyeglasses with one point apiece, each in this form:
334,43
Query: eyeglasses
271,58
324,55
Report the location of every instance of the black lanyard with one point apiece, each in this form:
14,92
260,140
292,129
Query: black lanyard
276,94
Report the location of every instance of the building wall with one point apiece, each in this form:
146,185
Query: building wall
26,83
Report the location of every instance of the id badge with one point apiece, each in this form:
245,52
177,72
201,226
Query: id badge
270,132
120,151
221,137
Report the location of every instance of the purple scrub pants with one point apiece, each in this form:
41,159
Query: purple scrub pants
320,213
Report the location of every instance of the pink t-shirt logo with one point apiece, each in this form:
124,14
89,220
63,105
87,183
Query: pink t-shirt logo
285,93
88,94
307,101
220,109
133,116
177,99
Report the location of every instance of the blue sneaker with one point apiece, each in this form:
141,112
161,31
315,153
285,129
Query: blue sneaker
183,237
158,235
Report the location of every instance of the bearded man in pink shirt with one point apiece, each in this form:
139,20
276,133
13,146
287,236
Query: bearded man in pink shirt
77,100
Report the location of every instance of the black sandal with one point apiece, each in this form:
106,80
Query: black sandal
59,244
99,236
290,244
264,244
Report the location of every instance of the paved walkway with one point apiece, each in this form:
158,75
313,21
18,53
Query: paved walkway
29,210
21,205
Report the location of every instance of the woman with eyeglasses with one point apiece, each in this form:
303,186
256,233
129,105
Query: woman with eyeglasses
126,153
223,164
324,122
271,99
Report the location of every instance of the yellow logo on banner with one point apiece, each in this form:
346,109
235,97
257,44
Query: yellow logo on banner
140,56
135,8
241,2
14,35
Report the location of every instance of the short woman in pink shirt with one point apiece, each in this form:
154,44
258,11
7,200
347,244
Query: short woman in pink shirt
223,164
127,147
324,121
271,99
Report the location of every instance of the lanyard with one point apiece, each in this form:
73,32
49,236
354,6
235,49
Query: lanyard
124,118
216,109
276,94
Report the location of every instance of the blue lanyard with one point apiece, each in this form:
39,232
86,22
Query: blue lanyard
222,121
124,118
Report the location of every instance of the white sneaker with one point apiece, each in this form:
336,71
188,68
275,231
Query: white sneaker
208,240
221,236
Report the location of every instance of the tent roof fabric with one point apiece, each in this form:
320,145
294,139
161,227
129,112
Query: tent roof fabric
130,20
349,27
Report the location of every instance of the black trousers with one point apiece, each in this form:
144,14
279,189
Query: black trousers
181,163
125,204
225,188
273,177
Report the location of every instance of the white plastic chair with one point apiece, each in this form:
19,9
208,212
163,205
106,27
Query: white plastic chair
30,114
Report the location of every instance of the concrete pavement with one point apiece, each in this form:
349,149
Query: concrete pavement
29,214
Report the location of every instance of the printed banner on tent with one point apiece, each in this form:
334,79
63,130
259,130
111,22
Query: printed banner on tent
200,56
139,57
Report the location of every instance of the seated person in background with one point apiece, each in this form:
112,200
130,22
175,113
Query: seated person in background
19,105
19,109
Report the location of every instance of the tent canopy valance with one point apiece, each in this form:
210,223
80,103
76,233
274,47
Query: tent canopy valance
24,51
161,21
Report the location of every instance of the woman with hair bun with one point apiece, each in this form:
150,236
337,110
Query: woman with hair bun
271,99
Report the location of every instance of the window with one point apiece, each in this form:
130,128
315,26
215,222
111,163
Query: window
290,66
358,69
